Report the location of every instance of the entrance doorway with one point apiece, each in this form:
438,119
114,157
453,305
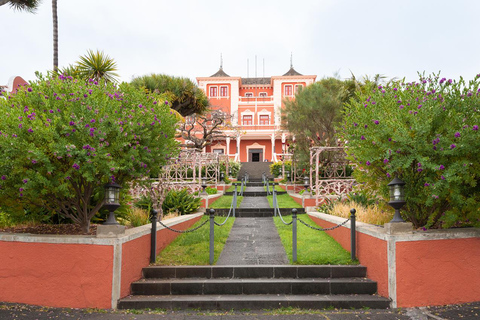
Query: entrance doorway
255,155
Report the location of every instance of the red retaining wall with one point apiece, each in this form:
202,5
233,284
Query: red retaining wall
78,271
415,269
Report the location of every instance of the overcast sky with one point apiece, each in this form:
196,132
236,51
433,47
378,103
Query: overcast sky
187,37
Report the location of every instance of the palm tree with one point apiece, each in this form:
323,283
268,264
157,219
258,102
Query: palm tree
97,65
22,5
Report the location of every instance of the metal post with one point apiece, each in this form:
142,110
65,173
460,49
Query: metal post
153,237
274,203
353,235
294,235
212,225
234,201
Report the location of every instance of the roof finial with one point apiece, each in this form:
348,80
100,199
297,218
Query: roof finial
221,62
291,60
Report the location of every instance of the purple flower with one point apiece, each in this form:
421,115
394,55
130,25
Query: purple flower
356,124
362,138
376,121
367,163
441,167
457,134
20,125
76,166
25,180
71,123
140,106
29,89
385,160
401,106
30,130
34,161
427,184
452,146
366,126
4,177
442,177
434,196
112,169
92,121
51,111
419,106
20,189
419,169
166,102
388,175
475,127
442,80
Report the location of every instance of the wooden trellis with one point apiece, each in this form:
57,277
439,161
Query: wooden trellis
329,176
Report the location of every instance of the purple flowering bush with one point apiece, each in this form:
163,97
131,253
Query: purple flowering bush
62,139
426,133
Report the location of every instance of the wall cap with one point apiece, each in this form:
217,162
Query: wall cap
379,232
130,234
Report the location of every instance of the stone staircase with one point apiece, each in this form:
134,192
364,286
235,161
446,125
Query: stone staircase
255,170
254,287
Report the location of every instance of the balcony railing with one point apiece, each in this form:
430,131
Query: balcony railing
258,126
249,100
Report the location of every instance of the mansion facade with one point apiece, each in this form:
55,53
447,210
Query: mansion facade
254,105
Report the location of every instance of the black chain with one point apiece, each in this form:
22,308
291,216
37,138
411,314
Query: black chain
184,231
327,229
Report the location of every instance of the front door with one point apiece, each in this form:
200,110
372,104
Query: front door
255,155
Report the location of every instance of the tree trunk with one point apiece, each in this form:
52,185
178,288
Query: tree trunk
85,225
55,35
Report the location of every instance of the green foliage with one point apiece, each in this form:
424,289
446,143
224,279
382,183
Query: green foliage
284,201
276,168
180,201
235,166
62,139
97,66
426,133
363,197
225,202
184,95
24,5
313,114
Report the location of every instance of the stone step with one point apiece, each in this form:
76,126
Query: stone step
253,286
257,271
256,212
253,302
253,193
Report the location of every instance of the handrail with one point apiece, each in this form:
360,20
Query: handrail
277,209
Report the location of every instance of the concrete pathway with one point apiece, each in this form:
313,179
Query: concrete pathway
253,241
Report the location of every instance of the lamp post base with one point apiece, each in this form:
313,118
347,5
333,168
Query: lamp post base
398,227
110,231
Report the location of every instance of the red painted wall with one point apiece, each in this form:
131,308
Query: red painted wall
438,272
56,275
136,253
371,252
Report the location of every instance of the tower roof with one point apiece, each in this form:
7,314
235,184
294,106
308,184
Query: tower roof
292,72
220,73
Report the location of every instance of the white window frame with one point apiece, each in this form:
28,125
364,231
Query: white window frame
210,91
226,91
263,95
285,90
248,94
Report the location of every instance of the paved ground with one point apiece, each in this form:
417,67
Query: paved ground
466,311
253,241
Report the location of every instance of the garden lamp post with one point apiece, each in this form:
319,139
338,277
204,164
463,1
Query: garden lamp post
222,176
230,171
306,183
288,176
112,201
397,198
204,185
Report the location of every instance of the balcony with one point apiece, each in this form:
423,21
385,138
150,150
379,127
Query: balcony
251,127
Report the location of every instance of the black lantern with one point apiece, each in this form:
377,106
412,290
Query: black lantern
288,175
112,201
222,176
204,184
230,171
397,198
306,183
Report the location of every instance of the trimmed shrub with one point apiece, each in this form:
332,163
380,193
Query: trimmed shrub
180,201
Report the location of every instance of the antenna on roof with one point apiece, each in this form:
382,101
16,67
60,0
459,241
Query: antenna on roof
291,60
264,67
221,62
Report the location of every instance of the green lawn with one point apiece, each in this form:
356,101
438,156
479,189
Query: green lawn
277,188
313,247
284,201
224,202
192,248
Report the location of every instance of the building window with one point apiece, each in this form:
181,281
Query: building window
249,94
213,91
223,91
288,90
247,120
297,87
219,151
263,94
264,119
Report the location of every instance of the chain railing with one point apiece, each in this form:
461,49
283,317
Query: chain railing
352,220
153,238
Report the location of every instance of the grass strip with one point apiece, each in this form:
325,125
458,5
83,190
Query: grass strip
192,248
313,247
224,202
277,188
284,201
